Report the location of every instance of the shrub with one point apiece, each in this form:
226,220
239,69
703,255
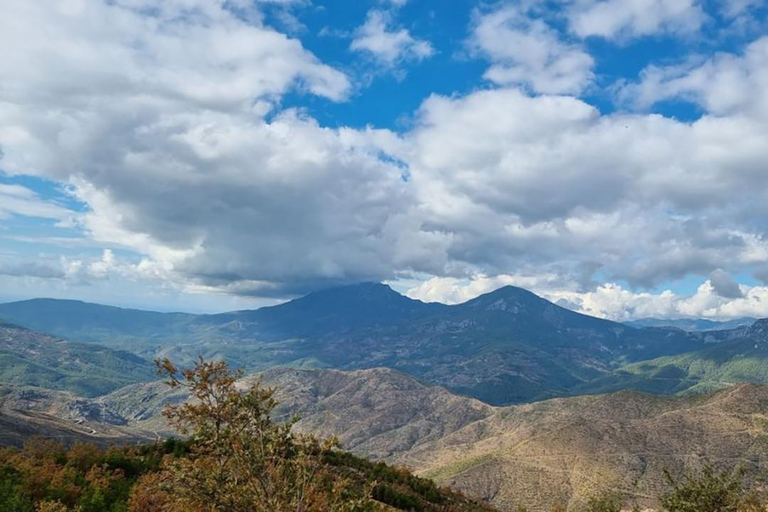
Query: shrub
707,489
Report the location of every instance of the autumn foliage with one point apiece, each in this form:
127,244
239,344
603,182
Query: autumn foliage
239,459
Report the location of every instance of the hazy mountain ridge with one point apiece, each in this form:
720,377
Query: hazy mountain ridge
692,324
28,357
730,357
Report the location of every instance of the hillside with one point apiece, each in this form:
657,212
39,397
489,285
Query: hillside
550,452
736,356
30,358
27,412
537,455
259,463
508,346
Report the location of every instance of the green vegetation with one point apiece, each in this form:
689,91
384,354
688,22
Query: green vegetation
712,491
29,358
84,477
606,501
706,490
713,368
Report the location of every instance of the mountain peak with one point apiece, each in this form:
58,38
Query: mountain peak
370,291
351,306
507,298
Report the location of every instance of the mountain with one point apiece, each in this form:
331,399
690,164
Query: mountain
730,357
85,321
537,455
31,358
504,347
343,309
692,324
507,346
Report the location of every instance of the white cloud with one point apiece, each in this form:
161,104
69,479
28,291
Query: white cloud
387,44
155,118
725,84
610,300
452,290
526,50
400,3
19,200
548,181
624,19
109,279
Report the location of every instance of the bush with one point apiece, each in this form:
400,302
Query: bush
708,490
606,501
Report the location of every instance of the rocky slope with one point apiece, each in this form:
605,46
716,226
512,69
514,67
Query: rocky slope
26,412
538,455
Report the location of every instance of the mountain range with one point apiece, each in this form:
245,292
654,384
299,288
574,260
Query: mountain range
693,324
505,347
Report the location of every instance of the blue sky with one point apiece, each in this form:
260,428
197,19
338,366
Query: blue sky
204,155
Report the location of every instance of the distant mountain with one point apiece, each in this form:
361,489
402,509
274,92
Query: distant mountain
504,347
731,357
537,455
30,358
692,324
344,309
91,322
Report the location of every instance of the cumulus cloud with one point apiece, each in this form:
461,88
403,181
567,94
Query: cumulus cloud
518,179
610,300
738,8
159,126
388,45
452,290
624,19
525,50
84,270
724,285
31,269
725,84
613,301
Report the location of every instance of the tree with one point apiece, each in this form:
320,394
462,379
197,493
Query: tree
239,459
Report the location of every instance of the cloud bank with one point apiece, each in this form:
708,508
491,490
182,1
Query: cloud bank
166,122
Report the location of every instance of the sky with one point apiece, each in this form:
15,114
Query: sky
210,155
